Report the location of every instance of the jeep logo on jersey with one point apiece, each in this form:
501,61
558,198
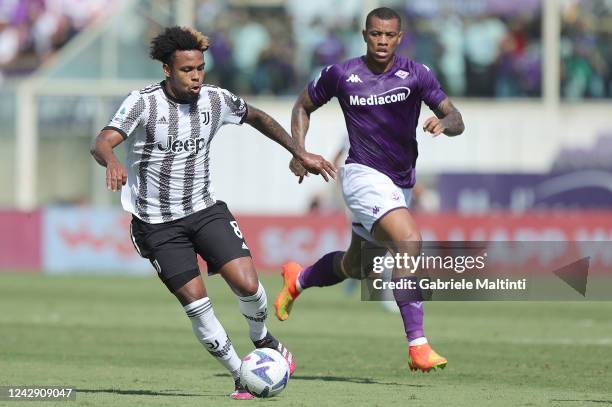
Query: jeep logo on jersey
391,96
190,145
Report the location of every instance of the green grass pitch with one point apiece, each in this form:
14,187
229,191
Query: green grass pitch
126,342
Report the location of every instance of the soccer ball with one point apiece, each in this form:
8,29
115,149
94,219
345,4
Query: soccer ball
264,372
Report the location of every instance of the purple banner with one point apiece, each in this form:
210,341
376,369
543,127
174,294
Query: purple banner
473,192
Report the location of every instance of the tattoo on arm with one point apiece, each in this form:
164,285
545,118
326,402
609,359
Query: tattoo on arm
270,128
450,118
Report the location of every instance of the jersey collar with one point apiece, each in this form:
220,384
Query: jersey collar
387,72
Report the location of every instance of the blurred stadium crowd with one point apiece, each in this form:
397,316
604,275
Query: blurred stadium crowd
480,48
586,49
32,30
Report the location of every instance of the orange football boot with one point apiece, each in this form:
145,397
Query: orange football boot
424,358
288,294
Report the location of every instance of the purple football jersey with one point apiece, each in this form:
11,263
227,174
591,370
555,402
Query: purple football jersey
381,111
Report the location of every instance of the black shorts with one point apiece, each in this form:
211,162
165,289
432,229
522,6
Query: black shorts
171,247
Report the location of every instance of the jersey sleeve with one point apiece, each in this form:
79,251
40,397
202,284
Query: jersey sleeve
233,108
325,86
129,115
431,92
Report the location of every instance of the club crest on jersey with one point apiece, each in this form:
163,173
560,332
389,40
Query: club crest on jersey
354,78
191,145
205,116
394,95
402,74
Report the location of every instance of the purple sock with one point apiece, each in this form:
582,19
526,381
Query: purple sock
320,274
412,315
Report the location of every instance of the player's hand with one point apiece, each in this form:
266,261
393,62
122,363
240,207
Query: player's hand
116,176
315,164
298,169
434,126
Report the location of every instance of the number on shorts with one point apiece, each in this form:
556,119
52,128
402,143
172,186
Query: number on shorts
237,231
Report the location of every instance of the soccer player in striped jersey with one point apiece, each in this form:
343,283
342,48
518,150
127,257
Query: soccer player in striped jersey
166,186
380,95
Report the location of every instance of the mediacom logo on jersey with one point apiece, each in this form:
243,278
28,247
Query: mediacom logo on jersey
190,145
391,96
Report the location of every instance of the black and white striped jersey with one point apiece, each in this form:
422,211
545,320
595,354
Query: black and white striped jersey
168,164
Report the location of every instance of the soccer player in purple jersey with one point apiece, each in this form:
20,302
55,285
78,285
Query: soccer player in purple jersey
380,95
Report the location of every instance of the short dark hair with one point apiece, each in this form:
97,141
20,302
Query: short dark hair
384,13
176,39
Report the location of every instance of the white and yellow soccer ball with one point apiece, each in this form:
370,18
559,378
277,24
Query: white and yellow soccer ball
264,372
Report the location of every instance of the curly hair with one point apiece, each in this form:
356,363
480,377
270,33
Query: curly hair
176,39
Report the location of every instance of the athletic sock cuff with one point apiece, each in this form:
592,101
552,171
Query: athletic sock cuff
198,307
255,297
417,341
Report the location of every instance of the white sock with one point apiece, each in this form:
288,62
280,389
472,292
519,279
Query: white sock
298,285
418,341
255,310
211,334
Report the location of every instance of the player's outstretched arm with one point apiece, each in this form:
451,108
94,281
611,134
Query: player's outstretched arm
269,127
300,122
300,116
448,120
102,151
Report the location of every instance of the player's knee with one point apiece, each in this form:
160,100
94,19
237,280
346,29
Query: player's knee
410,236
249,285
409,242
251,288
186,286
